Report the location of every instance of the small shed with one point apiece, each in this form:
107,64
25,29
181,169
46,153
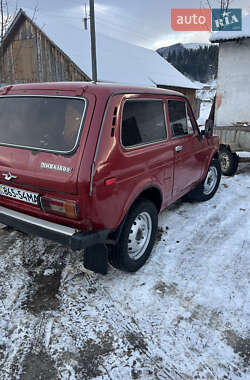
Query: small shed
61,52
233,81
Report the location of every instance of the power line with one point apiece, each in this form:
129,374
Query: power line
121,28
101,20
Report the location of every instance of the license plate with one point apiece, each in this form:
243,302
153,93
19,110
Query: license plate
21,195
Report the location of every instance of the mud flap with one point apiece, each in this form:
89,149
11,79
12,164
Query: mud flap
96,258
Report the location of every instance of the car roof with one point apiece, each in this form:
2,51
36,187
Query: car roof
82,87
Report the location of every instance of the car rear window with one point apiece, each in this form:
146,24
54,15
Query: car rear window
42,123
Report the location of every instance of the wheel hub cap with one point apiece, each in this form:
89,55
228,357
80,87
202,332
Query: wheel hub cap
210,181
139,235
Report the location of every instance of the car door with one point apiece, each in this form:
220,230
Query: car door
189,152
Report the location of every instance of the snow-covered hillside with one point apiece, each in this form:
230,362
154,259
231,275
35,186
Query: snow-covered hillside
180,47
185,315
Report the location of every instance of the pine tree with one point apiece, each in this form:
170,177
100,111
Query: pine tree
198,64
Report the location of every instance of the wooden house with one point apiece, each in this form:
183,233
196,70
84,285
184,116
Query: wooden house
28,55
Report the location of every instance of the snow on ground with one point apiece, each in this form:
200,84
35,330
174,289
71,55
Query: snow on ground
184,315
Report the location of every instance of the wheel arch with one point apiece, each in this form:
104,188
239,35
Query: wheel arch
213,155
153,194
150,192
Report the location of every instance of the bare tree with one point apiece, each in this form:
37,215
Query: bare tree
5,19
224,4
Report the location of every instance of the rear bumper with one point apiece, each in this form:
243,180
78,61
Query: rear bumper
61,234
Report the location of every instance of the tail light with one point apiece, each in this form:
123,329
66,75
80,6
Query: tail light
60,207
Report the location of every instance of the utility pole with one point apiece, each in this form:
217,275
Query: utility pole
93,43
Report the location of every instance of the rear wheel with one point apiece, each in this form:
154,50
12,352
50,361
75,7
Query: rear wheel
206,190
228,161
137,237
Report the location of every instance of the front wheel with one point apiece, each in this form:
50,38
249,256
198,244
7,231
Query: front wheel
137,237
207,189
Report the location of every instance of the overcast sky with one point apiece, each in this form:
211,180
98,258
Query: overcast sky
142,22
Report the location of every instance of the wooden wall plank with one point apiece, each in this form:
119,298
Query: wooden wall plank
30,56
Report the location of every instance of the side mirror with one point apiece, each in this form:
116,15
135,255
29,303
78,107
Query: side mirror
209,127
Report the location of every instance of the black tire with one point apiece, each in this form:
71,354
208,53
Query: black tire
228,161
137,237
206,190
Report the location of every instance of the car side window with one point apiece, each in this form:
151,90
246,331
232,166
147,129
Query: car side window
180,121
190,123
143,122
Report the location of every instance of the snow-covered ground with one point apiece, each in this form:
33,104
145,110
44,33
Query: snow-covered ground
185,315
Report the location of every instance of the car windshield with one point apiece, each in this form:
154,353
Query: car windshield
42,123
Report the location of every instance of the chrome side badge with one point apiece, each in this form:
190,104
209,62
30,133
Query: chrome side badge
60,168
9,176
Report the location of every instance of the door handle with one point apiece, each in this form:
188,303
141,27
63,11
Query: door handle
178,148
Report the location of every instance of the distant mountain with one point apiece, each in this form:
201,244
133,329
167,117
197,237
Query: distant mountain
164,51
198,61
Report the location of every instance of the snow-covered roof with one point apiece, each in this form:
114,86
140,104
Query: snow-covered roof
117,61
234,34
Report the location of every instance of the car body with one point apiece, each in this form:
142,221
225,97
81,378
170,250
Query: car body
129,143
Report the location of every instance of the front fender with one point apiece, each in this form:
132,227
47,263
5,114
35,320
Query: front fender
213,155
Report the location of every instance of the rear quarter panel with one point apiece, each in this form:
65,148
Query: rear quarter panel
134,169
